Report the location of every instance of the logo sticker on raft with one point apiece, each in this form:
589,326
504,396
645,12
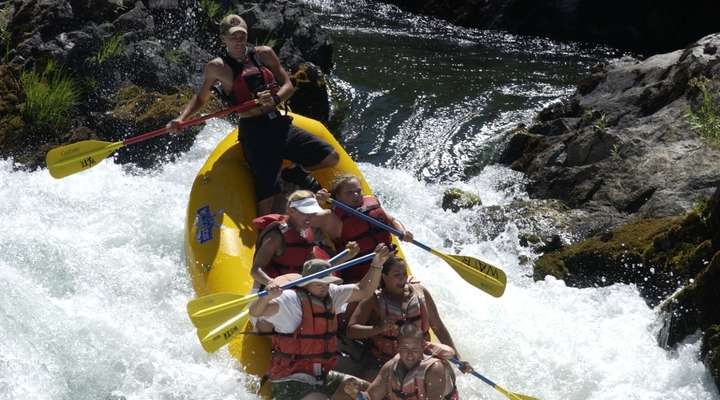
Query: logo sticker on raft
204,224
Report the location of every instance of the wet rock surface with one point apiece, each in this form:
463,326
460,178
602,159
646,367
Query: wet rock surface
624,153
623,146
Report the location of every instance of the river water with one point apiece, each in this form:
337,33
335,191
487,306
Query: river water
94,287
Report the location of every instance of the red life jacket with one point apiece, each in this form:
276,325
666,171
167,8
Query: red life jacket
249,77
297,248
312,348
366,235
385,346
412,386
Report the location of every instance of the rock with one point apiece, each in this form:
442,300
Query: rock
138,19
624,147
293,32
695,307
615,257
711,352
536,220
456,199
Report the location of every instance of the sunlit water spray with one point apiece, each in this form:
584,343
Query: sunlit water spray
94,288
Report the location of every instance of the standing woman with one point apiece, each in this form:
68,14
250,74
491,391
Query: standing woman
378,318
248,73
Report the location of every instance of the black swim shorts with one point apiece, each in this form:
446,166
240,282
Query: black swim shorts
266,142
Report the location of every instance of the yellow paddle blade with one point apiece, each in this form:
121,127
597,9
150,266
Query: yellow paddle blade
514,396
214,338
216,308
69,159
490,279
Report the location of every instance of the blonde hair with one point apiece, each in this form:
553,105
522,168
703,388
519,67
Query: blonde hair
339,181
299,195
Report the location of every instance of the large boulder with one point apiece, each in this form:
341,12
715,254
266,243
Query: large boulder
622,146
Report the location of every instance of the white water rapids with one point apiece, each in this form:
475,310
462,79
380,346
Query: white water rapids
93,292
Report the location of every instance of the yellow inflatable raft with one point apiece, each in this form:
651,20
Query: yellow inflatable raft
220,238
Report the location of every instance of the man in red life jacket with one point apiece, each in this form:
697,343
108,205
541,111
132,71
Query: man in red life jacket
305,342
413,374
247,73
347,189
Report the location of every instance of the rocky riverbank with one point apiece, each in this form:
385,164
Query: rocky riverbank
107,70
635,151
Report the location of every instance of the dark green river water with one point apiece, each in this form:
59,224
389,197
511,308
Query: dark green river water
437,99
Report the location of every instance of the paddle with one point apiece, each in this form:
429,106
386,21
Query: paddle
75,157
480,274
508,394
214,337
214,309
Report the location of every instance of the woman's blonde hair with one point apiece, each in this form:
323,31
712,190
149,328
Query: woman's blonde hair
339,181
299,195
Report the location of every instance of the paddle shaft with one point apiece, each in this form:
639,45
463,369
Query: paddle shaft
510,395
338,256
477,374
206,307
324,272
377,223
161,131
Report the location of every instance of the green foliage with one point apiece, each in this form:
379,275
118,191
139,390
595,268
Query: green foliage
701,207
269,40
212,9
172,56
706,118
111,48
50,97
601,123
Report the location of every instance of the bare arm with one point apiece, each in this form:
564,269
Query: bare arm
265,252
265,306
353,248
436,323
357,326
285,90
371,280
407,236
379,386
210,75
329,223
435,381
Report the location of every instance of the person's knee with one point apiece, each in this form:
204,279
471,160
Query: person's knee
332,159
350,387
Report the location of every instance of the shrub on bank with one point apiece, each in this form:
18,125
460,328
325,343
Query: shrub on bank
705,118
50,97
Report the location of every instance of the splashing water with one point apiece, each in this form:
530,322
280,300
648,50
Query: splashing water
94,290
